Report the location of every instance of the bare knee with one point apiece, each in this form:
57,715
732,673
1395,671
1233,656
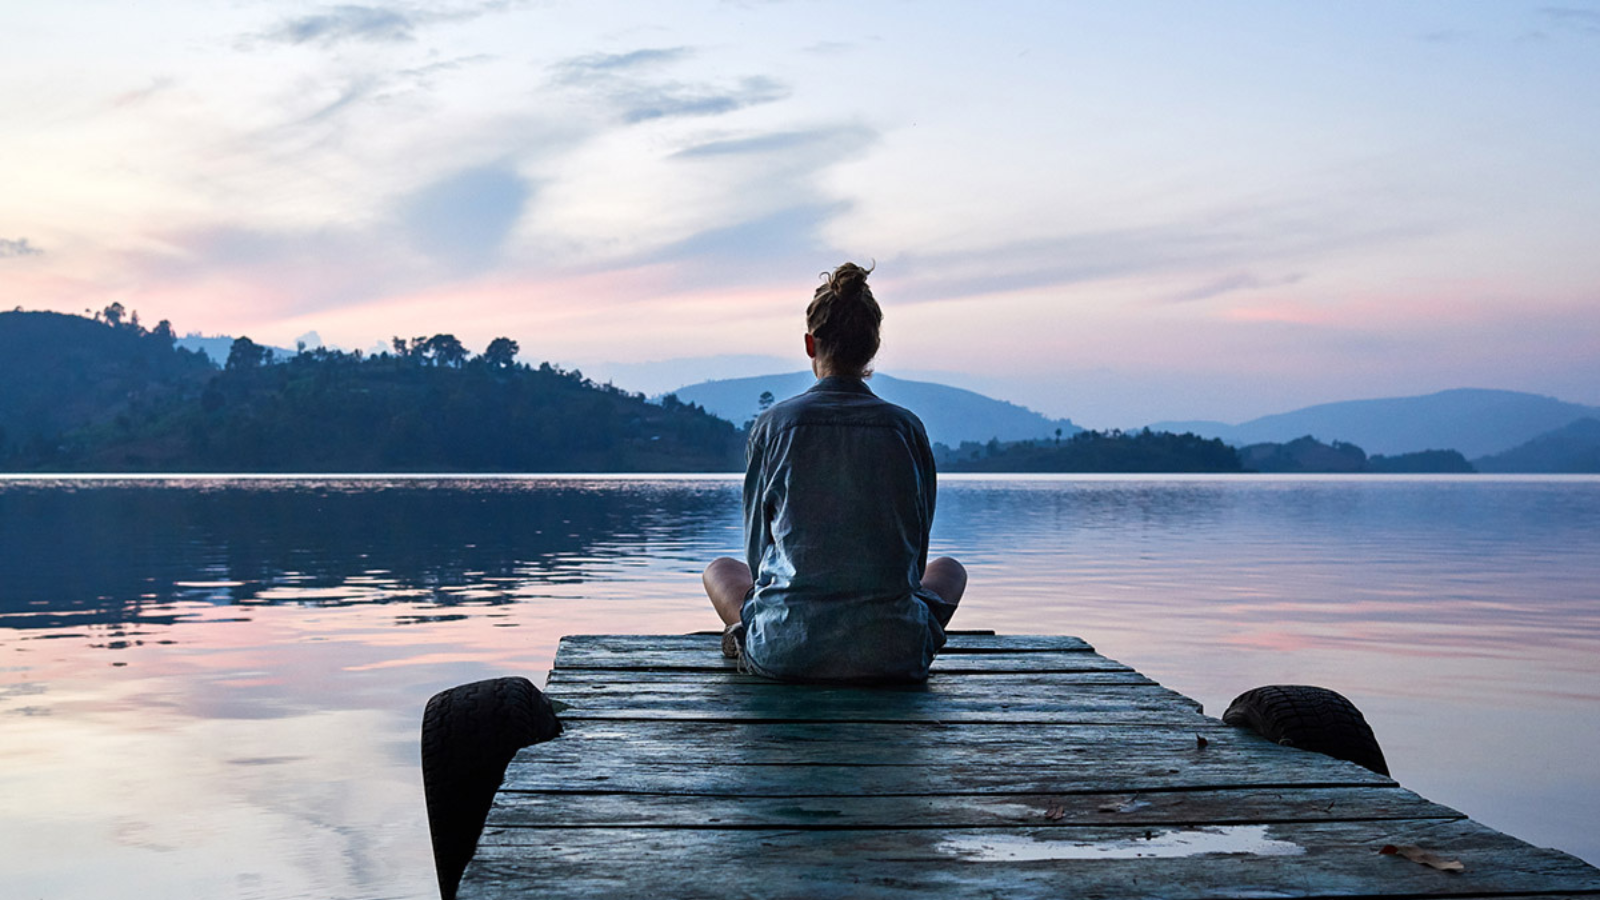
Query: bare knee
727,582
725,570
946,577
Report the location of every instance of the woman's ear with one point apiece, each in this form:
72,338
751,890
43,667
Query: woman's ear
811,345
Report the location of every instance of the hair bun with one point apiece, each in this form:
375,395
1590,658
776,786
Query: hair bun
849,280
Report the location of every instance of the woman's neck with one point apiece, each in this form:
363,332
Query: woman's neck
824,368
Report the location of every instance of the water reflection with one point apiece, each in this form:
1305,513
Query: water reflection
1445,566
210,687
118,552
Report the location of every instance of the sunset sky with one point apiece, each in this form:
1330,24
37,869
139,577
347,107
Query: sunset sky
1118,212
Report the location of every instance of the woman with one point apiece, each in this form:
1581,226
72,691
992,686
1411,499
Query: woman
838,502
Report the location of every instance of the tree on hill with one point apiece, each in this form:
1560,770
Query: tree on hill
445,350
247,354
501,353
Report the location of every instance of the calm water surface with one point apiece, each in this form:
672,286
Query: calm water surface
212,687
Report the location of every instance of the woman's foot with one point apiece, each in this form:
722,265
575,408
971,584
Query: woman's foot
733,640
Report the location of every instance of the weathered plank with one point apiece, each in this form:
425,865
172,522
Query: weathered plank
1042,662
1319,859
804,743
965,778
996,689
994,680
941,701
864,759
958,642
1237,806
712,660
701,652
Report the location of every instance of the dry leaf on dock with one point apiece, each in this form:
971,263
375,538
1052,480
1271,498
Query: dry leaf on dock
1426,857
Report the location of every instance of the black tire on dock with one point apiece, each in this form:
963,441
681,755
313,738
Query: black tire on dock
1310,718
469,734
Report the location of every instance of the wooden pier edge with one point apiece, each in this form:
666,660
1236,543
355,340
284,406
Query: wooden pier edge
1026,767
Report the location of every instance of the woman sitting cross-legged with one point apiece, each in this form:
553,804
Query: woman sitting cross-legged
838,503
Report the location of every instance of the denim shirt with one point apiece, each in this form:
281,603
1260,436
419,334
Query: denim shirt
838,502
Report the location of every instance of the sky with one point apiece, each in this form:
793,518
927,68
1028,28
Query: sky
1114,212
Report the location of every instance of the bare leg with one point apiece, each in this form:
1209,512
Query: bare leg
728,582
947,578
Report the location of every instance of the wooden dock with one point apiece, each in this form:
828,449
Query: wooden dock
1026,767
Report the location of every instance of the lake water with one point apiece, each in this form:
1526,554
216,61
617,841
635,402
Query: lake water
212,687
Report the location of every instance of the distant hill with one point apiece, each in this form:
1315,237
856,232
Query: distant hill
660,376
1473,421
951,415
1097,451
106,395
216,348
1574,447
60,372
1307,454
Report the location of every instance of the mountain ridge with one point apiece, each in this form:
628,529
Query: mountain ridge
1572,448
1477,422
951,415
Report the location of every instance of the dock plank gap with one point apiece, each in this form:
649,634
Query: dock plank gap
1025,767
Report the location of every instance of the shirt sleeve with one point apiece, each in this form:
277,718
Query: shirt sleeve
755,522
930,491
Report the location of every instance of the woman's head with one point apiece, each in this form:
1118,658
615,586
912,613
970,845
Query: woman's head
843,321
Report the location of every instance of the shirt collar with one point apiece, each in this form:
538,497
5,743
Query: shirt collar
842,383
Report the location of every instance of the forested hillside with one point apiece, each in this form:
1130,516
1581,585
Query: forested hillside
1095,451
60,373
107,395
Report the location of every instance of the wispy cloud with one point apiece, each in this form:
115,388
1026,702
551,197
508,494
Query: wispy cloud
10,248
463,219
661,101
448,232
790,236
1237,238
784,211
579,69
346,23
423,73
629,83
138,96
373,24
351,94
829,48
1227,284
1581,20
843,139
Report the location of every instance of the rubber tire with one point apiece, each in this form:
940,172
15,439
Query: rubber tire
1310,718
469,735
